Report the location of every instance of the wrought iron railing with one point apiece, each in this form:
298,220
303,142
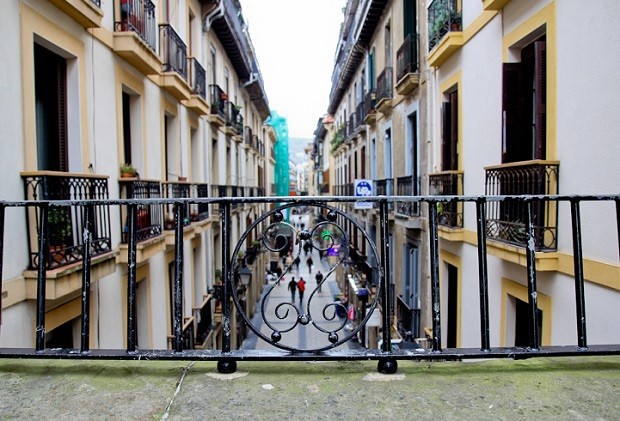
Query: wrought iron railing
138,16
407,58
234,118
175,190
148,216
218,99
197,78
172,50
385,85
506,221
369,104
282,321
408,320
443,17
408,186
384,187
66,225
448,183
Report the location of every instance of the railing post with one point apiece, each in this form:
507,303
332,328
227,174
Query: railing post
41,279
531,276
434,259
132,215
226,365
178,276
87,235
483,277
387,365
578,262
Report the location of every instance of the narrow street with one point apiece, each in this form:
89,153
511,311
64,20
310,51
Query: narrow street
303,337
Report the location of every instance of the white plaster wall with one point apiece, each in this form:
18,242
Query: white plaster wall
18,326
158,274
111,303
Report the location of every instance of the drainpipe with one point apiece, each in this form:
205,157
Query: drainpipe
214,14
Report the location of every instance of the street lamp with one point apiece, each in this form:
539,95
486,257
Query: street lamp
245,275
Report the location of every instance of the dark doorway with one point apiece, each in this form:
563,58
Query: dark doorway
453,274
522,331
61,337
50,81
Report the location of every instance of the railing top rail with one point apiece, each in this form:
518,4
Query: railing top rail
61,174
297,200
449,172
530,163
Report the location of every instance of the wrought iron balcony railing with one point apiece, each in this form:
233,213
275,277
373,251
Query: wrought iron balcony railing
197,78
385,85
385,187
148,216
138,16
175,190
218,99
506,221
234,118
408,186
448,183
172,50
443,17
66,226
408,320
280,324
369,104
406,58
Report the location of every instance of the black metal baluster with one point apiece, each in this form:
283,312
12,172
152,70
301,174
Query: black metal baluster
483,276
87,236
387,365
41,278
580,299
132,215
226,365
178,277
434,258
530,253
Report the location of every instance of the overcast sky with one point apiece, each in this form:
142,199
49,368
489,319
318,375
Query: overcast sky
295,42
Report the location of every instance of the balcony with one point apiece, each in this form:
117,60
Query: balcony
494,4
217,100
408,186
175,190
506,221
148,218
407,71
198,88
384,91
408,320
66,226
135,35
234,121
448,183
370,114
445,32
384,187
87,13
174,69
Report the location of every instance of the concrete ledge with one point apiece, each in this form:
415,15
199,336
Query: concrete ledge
545,388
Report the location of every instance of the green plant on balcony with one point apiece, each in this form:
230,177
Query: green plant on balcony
337,139
128,171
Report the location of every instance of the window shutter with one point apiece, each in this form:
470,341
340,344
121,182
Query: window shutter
445,135
63,159
454,130
512,106
540,80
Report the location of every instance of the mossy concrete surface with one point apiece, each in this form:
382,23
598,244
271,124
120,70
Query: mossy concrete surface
545,388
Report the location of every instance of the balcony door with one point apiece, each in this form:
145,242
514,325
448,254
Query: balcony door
50,74
524,111
449,140
411,284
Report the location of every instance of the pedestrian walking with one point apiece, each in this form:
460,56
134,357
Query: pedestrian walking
292,286
301,286
296,263
319,279
309,262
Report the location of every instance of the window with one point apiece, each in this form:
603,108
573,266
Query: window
449,135
524,110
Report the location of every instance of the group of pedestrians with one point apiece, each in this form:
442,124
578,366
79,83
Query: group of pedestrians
294,286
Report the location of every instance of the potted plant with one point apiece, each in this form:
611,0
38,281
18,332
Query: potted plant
128,171
59,220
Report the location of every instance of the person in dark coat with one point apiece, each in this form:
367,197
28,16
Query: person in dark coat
292,286
301,286
309,262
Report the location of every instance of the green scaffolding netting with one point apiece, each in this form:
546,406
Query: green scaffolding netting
281,176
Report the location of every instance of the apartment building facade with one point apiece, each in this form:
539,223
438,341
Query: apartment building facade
509,114
376,135
171,87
